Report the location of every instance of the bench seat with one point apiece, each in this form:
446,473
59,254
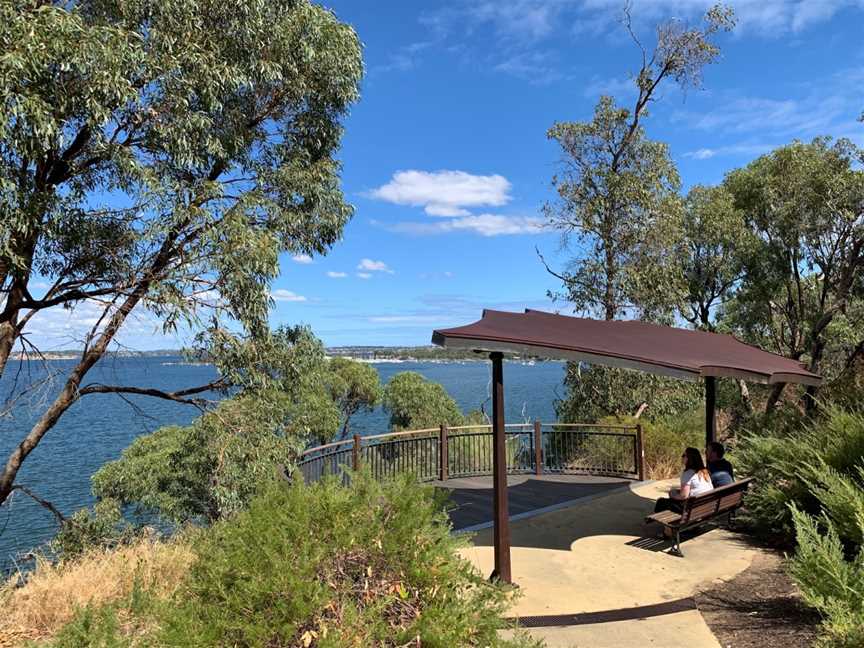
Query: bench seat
698,510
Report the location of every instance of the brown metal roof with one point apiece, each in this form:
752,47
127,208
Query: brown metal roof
664,350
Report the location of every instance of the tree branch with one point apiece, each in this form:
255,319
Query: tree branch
42,502
178,396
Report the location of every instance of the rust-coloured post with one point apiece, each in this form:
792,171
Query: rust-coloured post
443,455
538,449
355,455
710,409
499,473
640,452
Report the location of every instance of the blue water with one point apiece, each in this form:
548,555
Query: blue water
99,426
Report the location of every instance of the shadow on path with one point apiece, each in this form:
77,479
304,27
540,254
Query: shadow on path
472,497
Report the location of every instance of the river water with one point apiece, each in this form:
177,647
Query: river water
98,427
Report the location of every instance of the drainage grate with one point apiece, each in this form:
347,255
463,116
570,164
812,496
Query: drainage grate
606,616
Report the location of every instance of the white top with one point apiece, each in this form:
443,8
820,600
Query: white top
698,485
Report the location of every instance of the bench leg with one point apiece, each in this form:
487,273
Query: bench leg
675,550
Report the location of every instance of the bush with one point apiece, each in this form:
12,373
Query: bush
212,467
54,594
665,440
416,403
319,565
810,488
828,581
814,468
101,527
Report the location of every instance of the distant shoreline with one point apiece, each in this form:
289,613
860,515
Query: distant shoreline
364,354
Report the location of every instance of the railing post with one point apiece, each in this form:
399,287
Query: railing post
538,449
640,452
355,455
443,454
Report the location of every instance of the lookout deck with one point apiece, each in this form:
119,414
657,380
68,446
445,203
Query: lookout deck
472,496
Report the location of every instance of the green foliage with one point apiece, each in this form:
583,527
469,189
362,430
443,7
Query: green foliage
416,403
830,582
162,154
665,440
212,467
354,386
323,565
618,190
814,468
594,392
803,206
712,244
101,527
615,194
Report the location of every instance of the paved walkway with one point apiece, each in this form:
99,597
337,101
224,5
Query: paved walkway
472,496
596,567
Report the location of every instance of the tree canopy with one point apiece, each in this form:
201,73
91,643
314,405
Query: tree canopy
416,403
161,155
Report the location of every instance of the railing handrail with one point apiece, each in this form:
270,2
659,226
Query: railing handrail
458,428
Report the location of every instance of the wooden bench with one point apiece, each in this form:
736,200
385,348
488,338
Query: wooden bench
701,509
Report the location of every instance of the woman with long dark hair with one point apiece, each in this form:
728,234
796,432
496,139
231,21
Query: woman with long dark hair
695,480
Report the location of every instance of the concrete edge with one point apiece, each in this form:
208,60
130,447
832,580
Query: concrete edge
554,507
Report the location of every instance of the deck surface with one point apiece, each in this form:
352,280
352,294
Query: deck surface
472,496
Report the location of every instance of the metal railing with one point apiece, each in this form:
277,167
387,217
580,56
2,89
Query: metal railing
438,454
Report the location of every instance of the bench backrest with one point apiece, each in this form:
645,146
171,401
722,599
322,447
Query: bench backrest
720,500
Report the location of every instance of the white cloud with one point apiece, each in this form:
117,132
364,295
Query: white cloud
368,265
482,224
734,149
280,294
364,275
336,275
829,106
61,328
444,193
616,87
304,259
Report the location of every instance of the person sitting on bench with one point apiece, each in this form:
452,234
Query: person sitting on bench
721,470
695,480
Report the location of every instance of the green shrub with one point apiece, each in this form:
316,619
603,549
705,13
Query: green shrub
828,581
814,468
322,565
415,403
214,466
665,440
100,527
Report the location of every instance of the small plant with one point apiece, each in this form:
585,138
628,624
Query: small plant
369,564
831,579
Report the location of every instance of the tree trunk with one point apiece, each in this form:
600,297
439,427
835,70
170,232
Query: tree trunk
69,394
774,397
745,396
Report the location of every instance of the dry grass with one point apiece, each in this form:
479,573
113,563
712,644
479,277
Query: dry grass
52,592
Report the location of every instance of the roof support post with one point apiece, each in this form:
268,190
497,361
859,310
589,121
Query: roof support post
499,473
710,409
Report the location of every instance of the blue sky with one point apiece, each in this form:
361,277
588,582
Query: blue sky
447,163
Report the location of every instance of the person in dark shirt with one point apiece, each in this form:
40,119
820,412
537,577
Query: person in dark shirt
721,470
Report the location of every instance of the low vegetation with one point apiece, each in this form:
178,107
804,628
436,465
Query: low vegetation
810,489
323,565
55,593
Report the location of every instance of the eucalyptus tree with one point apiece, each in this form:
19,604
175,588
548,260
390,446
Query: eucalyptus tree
710,253
803,288
355,387
617,190
160,155
619,211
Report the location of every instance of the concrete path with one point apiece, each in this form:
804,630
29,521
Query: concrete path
598,566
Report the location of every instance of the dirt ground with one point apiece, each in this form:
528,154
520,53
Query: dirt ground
759,608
